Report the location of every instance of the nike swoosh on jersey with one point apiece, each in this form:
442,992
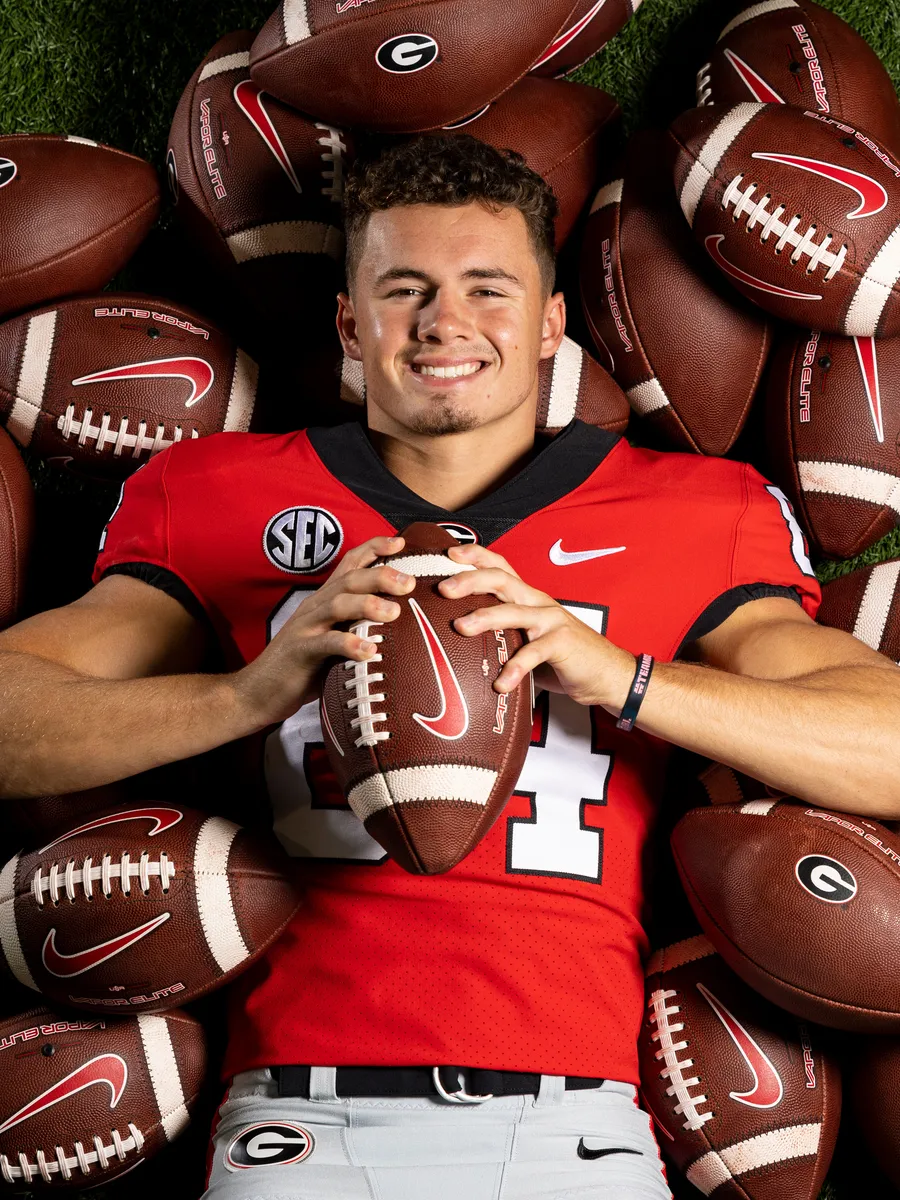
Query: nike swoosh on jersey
64,966
453,719
767,1089
585,1152
564,558
107,1069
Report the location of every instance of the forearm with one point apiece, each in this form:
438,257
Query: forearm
830,738
61,731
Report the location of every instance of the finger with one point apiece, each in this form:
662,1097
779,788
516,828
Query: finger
480,556
534,622
494,582
349,607
367,553
385,579
532,655
338,644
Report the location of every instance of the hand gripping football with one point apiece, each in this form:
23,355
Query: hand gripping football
427,753
142,909
747,1103
84,1100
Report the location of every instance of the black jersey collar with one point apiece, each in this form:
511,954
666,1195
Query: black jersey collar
563,465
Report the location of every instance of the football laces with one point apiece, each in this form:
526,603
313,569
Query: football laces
787,234
359,683
105,435
676,1071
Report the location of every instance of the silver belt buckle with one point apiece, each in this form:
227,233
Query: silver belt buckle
460,1096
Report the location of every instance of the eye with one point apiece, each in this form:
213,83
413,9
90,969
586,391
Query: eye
406,291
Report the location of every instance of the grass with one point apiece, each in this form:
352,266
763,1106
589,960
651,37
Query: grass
114,71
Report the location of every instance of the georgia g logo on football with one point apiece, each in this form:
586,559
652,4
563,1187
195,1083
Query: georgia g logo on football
407,53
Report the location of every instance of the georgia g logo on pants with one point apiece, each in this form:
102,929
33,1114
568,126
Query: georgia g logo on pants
269,1143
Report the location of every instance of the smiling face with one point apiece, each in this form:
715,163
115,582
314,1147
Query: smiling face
449,316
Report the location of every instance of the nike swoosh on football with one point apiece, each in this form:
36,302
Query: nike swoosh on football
453,719
162,818
107,1069
767,1089
713,246
564,558
64,966
584,1152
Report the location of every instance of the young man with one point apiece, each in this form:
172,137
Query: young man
472,1034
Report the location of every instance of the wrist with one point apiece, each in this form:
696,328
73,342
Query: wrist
617,685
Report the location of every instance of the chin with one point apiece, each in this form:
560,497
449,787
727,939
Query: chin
442,420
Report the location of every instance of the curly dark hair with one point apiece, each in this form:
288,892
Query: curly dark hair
451,169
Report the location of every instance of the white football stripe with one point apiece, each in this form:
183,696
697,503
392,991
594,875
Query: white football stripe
711,154
242,398
611,194
779,1145
286,237
228,62
448,781
295,15
9,932
859,483
647,397
874,289
427,566
676,955
162,1067
759,808
214,901
875,607
568,364
32,379
353,381
82,141
756,10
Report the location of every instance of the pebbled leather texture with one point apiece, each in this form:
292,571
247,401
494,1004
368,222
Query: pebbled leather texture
587,31
866,603
16,529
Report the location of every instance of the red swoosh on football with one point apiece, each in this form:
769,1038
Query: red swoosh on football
713,245
767,1089
872,196
453,719
568,36
197,371
162,818
105,1068
867,358
248,97
65,966
756,85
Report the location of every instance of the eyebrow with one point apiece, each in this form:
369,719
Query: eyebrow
396,273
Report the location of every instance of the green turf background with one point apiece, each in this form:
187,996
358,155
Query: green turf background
113,70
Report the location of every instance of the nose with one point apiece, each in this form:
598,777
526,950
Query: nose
445,318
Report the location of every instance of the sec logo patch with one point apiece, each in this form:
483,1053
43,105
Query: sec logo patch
269,1143
302,541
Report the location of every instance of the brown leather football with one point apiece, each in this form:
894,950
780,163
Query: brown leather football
833,415
784,52
258,190
72,212
746,1101
142,908
426,752
803,903
401,65
692,379
866,603
591,26
104,382
16,528
566,146
874,1095
84,1100
799,210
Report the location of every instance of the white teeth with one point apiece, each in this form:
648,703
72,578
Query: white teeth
448,372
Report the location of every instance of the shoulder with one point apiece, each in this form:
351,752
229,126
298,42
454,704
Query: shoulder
227,452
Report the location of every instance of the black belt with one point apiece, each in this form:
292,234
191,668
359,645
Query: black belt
460,1083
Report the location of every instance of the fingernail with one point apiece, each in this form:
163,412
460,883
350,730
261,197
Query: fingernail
368,647
401,577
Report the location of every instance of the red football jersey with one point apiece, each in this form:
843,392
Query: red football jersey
527,955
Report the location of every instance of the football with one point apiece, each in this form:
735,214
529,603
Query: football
425,751
799,210
566,148
571,385
258,190
142,909
110,200
873,1091
866,603
102,383
405,67
692,381
803,903
746,1101
130,1084
833,416
16,529
801,54
590,27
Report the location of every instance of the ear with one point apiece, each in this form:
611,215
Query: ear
554,329
346,327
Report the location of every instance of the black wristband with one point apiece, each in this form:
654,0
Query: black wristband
636,695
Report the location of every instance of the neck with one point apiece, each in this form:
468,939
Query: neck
452,471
